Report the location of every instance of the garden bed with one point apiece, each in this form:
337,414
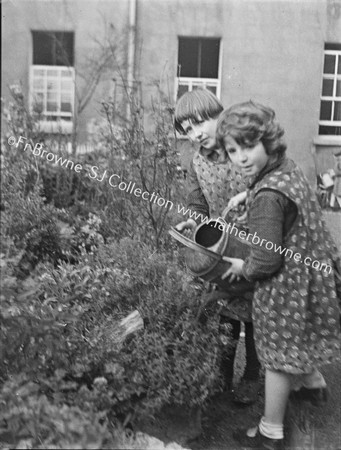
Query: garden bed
77,258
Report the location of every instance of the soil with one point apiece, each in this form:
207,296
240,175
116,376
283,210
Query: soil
222,417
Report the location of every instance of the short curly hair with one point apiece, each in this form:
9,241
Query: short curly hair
199,103
248,124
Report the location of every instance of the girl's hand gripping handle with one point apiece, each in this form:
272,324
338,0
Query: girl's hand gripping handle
186,227
234,203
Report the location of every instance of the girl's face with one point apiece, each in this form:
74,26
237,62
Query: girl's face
201,131
250,159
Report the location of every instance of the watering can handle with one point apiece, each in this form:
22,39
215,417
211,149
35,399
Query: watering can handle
193,245
226,211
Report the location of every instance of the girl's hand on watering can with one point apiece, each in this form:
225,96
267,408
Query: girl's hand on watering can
242,220
236,200
186,228
235,271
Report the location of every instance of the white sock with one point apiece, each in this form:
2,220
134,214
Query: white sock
271,430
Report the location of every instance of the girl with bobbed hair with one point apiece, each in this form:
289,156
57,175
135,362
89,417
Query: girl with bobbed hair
212,181
294,263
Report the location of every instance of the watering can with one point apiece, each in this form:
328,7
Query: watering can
204,254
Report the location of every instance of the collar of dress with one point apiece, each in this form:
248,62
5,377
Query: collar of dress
268,168
212,156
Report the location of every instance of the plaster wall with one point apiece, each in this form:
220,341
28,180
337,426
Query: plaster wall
90,20
272,52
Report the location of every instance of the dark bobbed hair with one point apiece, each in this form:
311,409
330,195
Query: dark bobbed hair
199,103
250,123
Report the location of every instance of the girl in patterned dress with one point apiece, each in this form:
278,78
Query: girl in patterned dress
294,262
212,182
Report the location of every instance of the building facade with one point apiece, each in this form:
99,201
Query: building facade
285,54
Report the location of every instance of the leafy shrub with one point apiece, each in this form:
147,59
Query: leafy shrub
31,420
30,224
68,321
78,256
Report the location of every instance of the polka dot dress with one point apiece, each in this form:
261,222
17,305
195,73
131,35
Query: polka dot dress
220,182
296,313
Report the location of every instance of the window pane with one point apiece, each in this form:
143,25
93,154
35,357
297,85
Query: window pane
337,111
212,89
338,88
209,58
38,102
329,64
339,65
42,48
39,72
66,107
38,84
53,48
198,57
52,85
66,103
66,84
52,73
329,130
326,110
188,58
332,46
182,89
52,102
327,87
64,49
67,73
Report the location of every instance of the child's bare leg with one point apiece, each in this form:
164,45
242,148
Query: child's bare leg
269,432
277,389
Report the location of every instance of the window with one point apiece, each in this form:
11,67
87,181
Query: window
52,79
330,108
198,65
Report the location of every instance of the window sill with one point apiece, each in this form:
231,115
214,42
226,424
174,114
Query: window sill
328,141
55,127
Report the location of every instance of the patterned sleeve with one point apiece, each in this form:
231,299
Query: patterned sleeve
196,200
270,217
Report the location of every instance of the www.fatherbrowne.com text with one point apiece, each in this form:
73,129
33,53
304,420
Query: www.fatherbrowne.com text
257,240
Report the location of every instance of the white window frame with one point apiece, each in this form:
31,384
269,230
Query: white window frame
335,77
203,83
64,122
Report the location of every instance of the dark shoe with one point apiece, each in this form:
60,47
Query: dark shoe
246,392
317,397
259,441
